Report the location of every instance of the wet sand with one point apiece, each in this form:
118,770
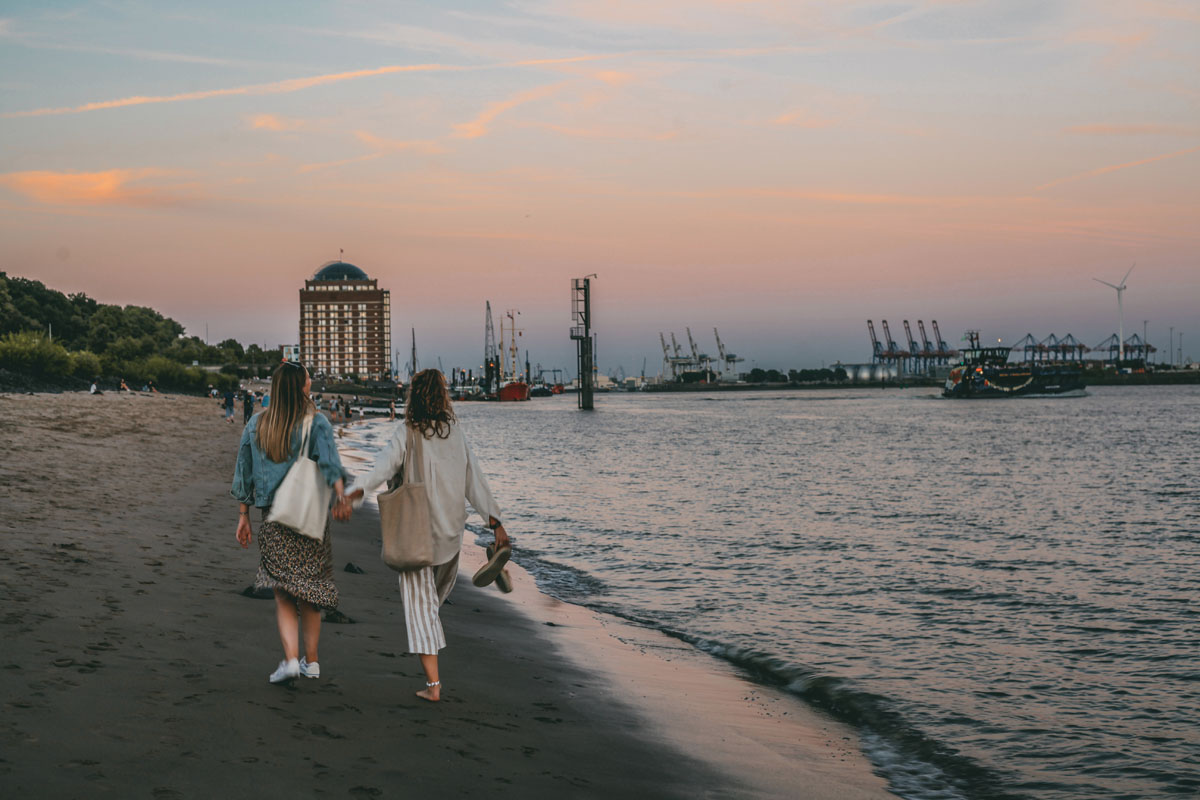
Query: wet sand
133,666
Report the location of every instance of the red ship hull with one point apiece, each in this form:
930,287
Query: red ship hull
514,391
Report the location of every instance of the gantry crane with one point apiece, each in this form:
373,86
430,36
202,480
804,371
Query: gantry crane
893,352
926,345
876,347
728,360
943,350
701,360
914,352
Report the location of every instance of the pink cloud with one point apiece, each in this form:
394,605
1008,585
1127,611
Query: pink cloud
1114,167
478,127
419,145
274,122
304,168
1141,129
804,119
110,187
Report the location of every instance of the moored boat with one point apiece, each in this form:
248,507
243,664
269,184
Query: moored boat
513,390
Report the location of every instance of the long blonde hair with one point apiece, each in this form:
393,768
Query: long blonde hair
289,405
428,408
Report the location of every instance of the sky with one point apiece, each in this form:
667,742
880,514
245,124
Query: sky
781,171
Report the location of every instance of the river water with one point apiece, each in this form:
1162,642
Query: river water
1001,595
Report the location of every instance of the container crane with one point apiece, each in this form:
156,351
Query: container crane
914,352
728,360
700,359
926,345
667,365
876,347
893,352
943,350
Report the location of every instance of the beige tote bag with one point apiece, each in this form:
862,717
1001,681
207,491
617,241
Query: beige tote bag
404,515
302,500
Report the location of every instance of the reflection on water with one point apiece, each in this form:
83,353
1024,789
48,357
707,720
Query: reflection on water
1001,594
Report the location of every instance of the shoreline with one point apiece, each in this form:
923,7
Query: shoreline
135,666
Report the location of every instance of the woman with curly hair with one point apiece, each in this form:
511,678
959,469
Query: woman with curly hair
451,475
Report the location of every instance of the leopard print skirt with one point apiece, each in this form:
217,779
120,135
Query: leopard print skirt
298,565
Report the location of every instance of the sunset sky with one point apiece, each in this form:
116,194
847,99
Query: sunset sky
780,170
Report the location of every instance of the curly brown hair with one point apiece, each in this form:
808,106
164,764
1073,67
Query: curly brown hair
427,409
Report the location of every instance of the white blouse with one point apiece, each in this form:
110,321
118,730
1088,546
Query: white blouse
452,478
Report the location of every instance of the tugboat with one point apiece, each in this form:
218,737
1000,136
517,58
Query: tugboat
985,372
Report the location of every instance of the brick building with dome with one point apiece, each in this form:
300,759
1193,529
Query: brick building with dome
345,324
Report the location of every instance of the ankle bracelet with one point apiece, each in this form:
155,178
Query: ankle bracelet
431,685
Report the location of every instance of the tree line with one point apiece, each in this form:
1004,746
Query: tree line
51,335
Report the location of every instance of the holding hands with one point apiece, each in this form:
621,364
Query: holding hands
343,508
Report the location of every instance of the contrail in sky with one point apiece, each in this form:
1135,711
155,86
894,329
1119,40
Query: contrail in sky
1115,167
277,87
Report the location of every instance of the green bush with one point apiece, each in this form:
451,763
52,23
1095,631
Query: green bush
85,364
32,353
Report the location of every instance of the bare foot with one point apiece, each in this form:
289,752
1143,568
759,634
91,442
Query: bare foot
431,693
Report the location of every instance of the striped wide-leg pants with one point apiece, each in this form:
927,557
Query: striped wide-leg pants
423,591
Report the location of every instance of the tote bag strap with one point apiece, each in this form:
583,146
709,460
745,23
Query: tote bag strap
412,458
305,431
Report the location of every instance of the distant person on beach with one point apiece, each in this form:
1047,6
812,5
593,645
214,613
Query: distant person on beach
297,568
392,410
124,387
266,401
451,475
229,398
95,389
247,406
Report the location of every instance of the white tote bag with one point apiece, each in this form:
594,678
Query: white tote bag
302,500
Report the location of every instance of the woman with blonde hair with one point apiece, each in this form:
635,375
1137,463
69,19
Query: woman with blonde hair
451,475
297,568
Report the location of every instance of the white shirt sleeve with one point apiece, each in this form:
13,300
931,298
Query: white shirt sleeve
479,495
386,465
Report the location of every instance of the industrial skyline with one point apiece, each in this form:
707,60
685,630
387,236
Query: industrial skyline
779,171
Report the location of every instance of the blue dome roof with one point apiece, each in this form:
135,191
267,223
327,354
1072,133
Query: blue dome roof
339,271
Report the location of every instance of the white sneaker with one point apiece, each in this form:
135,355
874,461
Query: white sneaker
308,670
286,671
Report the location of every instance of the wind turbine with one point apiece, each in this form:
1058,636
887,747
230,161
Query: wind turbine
1121,313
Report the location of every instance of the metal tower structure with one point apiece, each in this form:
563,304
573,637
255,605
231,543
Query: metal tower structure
581,334
943,350
876,347
491,358
893,353
701,360
914,352
926,346
729,361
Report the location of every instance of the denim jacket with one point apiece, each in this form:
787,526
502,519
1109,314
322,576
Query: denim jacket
256,477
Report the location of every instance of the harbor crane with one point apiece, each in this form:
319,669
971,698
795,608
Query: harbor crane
913,351
701,360
893,352
943,350
675,347
876,347
926,345
728,360
673,362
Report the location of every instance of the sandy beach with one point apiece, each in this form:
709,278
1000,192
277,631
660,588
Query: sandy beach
133,665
